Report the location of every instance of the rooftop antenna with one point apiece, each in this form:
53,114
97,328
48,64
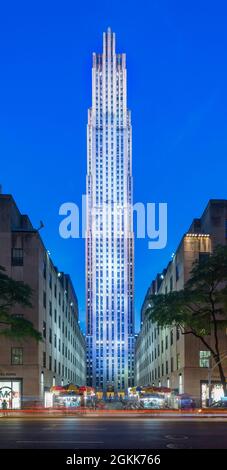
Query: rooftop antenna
41,225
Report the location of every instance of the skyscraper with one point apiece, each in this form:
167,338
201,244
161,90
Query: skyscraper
109,231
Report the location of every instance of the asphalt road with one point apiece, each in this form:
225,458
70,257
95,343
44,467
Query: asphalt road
123,433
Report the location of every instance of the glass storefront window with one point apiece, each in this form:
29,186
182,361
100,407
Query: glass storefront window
216,393
10,394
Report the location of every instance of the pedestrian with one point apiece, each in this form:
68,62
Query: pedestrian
4,405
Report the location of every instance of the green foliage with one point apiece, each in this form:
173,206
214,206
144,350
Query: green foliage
11,293
202,302
201,308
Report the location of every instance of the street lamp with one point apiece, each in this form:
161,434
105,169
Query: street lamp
210,374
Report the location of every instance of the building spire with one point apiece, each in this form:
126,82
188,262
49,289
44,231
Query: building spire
109,42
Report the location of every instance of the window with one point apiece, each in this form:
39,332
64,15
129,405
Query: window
16,356
172,364
18,315
177,272
44,299
44,359
50,308
44,329
178,361
180,384
44,269
171,337
171,284
50,335
216,221
178,332
50,280
17,257
204,358
166,342
50,362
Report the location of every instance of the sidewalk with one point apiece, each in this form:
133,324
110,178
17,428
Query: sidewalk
85,413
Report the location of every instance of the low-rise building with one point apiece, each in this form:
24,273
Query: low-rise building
165,356
29,368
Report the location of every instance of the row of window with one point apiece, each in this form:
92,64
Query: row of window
157,372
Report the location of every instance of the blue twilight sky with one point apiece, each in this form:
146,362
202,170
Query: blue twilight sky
177,76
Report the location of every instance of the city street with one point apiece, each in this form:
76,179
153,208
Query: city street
112,433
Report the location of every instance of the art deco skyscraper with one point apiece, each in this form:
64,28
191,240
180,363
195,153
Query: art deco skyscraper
109,231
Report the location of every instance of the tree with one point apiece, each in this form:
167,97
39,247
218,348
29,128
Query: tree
11,293
200,308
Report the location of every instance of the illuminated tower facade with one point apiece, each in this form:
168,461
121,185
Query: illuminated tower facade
109,226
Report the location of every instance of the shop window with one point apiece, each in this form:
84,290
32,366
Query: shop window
10,392
17,356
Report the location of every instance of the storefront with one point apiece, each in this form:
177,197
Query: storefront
151,397
10,393
69,396
216,393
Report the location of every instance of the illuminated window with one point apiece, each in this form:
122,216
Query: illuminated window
180,384
204,358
